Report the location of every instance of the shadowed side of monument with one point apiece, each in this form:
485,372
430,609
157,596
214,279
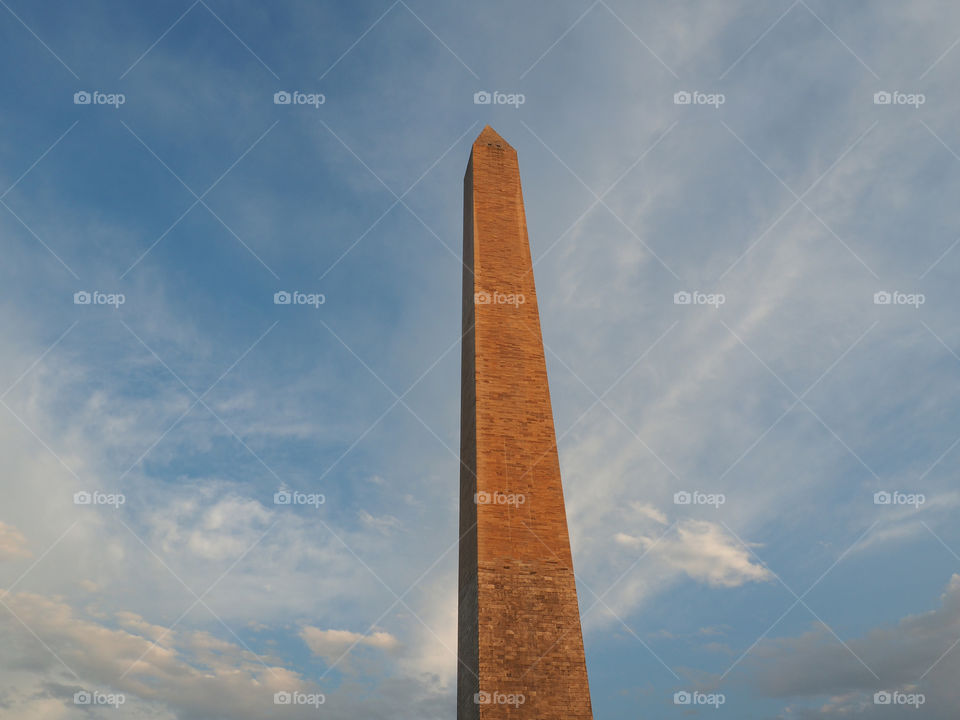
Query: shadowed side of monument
520,644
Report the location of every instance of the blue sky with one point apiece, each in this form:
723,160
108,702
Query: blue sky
797,199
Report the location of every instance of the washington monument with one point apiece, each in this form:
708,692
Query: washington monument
520,646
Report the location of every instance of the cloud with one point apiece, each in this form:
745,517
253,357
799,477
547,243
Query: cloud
917,654
331,645
433,654
903,523
384,524
194,676
13,544
181,674
705,552
649,511
225,529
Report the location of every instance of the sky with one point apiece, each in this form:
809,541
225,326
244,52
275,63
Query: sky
209,496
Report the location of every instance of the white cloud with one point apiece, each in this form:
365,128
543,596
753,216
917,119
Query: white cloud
182,668
433,639
180,674
13,544
649,511
332,644
384,524
705,552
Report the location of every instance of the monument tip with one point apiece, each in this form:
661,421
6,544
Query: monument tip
489,136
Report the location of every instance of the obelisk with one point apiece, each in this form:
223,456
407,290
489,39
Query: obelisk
520,645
